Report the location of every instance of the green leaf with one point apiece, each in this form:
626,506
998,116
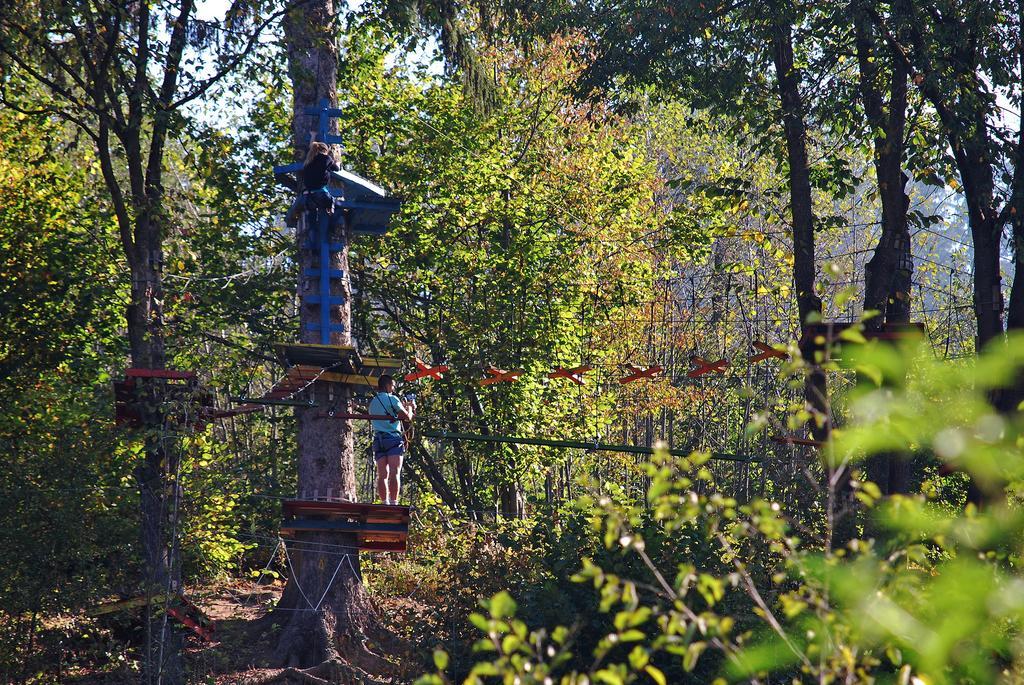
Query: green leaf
656,675
502,606
693,652
480,621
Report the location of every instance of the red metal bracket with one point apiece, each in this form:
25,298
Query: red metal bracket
423,371
182,616
704,366
500,376
574,374
766,352
638,372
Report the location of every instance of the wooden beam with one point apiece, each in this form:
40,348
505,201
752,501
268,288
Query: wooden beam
121,605
791,440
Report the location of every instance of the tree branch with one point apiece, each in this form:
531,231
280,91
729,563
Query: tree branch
116,194
206,84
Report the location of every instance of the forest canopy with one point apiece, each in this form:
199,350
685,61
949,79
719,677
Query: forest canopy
704,322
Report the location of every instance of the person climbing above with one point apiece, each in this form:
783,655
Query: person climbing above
389,440
316,179
316,176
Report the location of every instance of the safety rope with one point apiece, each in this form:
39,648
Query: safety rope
346,557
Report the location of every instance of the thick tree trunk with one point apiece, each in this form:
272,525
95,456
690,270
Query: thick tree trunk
839,522
808,303
155,476
986,231
1015,210
888,273
962,112
1012,397
887,276
325,610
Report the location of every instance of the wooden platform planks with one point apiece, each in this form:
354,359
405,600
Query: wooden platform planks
308,507
377,527
188,404
342,358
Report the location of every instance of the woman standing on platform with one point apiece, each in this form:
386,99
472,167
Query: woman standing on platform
389,441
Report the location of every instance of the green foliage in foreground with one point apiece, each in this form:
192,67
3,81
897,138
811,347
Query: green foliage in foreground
935,597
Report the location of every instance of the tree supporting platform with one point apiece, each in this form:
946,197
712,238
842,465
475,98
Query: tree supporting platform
377,527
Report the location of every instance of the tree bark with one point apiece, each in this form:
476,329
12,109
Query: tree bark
886,284
325,610
946,81
801,207
887,276
1011,397
1015,212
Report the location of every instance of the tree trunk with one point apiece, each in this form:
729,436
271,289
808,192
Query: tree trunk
155,475
840,524
888,273
962,111
986,230
1015,212
325,610
887,276
1012,397
808,303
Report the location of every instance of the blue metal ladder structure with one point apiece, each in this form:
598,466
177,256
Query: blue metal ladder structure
366,210
324,275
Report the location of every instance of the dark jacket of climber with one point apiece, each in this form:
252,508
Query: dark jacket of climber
316,177
316,172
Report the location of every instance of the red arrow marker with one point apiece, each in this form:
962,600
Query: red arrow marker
704,366
575,374
423,371
638,372
500,376
767,352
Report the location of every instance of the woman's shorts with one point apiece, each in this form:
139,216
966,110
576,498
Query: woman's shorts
388,445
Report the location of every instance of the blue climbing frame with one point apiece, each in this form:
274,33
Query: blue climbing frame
365,209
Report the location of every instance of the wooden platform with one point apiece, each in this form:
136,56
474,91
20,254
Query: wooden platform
191,406
343,363
377,527
340,358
